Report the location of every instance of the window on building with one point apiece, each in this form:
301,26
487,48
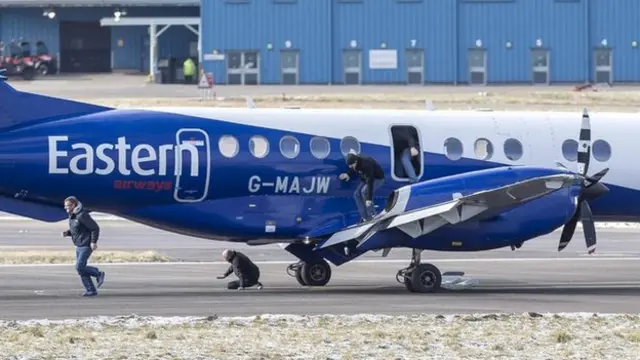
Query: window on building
477,61
243,67
603,66
289,62
352,62
540,66
415,66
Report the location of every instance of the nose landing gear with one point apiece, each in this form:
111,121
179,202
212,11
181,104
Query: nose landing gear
421,278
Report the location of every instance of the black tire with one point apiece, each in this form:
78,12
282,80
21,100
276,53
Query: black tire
425,278
317,273
407,284
299,277
43,69
29,73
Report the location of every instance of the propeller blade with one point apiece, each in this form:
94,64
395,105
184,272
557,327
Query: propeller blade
589,228
594,191
596,177
584,144
569,229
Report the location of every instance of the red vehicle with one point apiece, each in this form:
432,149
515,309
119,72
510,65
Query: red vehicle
44,63
17,62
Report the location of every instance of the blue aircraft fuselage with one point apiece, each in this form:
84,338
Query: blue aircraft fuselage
167,170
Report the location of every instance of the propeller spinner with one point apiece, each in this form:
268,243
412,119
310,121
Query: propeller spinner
591,189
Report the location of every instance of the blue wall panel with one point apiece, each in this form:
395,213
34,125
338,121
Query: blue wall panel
16,23
396,23
617,23
559,25
254,24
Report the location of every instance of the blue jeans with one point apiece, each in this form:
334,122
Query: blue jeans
408,167
360,196
86,272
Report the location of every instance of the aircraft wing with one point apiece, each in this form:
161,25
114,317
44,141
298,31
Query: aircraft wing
423,220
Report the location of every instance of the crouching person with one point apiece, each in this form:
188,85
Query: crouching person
247,272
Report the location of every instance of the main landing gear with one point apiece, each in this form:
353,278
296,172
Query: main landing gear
421,278
316,273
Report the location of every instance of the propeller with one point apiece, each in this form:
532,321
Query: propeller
591,189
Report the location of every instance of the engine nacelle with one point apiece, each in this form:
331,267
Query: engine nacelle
445,189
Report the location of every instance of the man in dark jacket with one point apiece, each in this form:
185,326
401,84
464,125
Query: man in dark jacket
84,233
371,179
247,272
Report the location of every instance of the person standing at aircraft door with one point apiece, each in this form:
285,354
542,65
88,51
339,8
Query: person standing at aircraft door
84,233
407,144
371,179
247,272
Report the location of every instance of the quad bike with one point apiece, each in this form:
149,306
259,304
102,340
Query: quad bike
44,63
17,64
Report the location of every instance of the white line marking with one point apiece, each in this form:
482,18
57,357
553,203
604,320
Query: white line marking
372,261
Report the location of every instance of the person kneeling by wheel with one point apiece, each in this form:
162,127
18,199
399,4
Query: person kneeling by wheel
247,272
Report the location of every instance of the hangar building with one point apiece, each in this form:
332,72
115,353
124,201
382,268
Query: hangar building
71,30
341,41
421,41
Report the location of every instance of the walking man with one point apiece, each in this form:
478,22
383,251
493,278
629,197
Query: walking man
84,233
247,272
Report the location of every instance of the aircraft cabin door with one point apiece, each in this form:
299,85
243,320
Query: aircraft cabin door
399,134
192,165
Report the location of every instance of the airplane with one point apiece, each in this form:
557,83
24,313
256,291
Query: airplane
487,180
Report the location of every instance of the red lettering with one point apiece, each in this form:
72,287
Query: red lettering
143,185
140,184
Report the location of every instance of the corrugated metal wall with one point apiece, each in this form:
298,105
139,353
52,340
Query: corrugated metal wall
132,52
253,26
570,30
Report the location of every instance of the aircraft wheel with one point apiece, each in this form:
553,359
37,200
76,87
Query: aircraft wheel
407,284
425,278
317,273
299,277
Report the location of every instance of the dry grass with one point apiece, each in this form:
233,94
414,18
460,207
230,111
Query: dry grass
515,99
331,337
69,257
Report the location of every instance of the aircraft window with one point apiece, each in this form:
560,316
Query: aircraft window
601,150
349,144
401,137
259,146
570,149
513,149
289,147
483,149
453,148
228,146
320,147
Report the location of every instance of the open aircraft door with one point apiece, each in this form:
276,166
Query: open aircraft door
193,165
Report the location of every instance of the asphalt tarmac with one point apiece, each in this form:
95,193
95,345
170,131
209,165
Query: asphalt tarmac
533,278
